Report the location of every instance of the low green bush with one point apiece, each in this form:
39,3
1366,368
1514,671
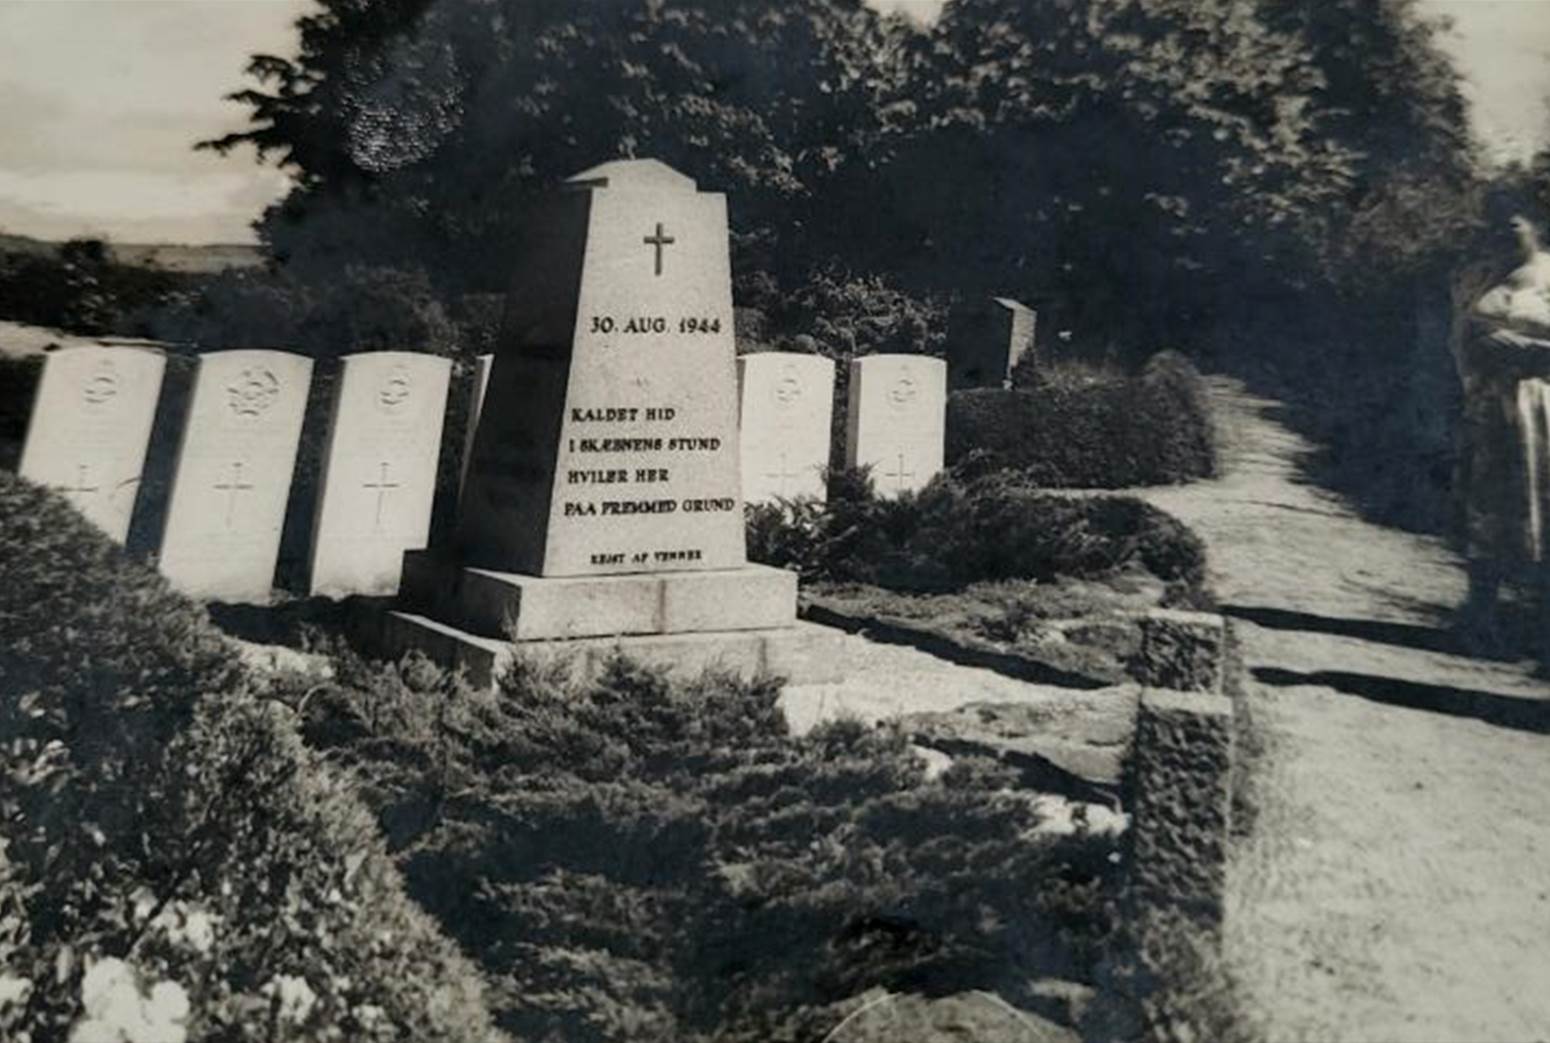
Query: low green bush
1111,432
636,859
175,864
953,533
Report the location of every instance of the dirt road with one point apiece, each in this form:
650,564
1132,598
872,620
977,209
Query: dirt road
1397,883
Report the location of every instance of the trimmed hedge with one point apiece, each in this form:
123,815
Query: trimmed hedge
1149,429
175,863
953,533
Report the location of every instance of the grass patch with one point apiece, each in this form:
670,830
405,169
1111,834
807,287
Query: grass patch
1083,628
992,566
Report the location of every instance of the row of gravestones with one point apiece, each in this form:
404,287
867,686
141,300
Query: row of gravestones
95,407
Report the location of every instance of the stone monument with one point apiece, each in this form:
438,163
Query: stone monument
233,476
986,340
896,420
602,506
379,475
91,423
786,408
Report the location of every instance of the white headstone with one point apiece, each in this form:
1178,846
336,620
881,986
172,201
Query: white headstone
379,472
233,478
787,403
476,389
896,421
91,422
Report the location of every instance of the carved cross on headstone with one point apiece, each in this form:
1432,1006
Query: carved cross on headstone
233,487
80,485
784,474
899,474
382,485
659,240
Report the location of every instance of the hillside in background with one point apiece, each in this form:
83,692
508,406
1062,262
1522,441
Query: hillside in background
169,257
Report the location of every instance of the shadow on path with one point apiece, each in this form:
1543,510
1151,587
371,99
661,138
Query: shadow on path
1405,635
1505,711
1510,641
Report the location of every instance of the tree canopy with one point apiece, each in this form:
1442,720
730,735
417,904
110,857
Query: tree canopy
1157,154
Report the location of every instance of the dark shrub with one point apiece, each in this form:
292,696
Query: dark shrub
167,835
477,317
81,288
1150,429
237,308
636,859
954,533
367,309
380,309
851,315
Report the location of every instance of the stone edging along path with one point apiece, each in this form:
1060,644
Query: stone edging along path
1395,884
1163,741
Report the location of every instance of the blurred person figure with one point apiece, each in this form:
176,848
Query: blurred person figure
1505,368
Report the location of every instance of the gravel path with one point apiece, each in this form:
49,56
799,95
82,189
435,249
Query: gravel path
1396,885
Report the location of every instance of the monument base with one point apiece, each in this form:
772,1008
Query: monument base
514,606
802,653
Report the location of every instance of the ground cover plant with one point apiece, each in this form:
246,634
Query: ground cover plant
631,858
1071,426
175,863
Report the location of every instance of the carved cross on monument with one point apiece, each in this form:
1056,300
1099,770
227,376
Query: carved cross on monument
382,485
80,485
233,487
899,474
783,475
659,240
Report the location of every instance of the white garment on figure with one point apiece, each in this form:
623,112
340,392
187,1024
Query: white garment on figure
1534,433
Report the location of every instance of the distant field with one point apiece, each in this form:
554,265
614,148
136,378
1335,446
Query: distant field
171,257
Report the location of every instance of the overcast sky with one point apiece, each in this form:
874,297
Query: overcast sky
100,101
